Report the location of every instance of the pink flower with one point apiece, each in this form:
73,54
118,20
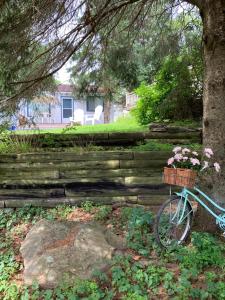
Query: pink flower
170,161
178,157
207,155
185,158
186,150
195,153
177,149
194,161
208,151
216,166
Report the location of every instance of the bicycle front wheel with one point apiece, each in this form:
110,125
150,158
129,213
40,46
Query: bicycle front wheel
173,222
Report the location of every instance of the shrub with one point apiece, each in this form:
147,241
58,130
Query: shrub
172,95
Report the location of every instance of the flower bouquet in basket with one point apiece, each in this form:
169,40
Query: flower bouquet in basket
183,166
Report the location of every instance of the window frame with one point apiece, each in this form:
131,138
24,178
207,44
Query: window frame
67,108
92,99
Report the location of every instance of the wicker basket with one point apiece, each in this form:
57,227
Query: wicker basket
181,177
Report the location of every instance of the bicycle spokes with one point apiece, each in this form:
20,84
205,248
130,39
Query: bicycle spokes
173,222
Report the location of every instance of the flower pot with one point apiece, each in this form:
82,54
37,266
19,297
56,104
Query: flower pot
181,177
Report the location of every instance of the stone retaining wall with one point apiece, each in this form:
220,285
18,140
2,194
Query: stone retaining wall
49,179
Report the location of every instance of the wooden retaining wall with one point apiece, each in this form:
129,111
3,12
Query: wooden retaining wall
49,140
50,179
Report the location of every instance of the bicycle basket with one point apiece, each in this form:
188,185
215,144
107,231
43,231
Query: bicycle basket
180,177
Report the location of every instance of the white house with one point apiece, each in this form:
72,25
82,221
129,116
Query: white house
62,107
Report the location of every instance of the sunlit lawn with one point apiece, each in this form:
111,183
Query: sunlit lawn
126,124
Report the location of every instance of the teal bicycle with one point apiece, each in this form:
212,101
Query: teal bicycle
174,219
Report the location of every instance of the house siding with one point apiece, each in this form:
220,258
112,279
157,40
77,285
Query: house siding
56,110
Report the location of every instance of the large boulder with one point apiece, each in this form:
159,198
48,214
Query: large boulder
54,251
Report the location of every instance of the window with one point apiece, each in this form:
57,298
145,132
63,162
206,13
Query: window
91,104
67,108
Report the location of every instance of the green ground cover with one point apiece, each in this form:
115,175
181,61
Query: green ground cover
143,272
126,124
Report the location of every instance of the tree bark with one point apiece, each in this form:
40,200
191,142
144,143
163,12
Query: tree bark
213,16
107,107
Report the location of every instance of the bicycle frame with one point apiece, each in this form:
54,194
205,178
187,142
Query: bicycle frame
186,192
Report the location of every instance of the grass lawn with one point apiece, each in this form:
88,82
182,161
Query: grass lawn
143,272
126,124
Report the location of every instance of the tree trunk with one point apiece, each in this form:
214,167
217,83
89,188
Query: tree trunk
213,16
107,107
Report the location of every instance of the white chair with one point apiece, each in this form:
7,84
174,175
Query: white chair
96,116
78,116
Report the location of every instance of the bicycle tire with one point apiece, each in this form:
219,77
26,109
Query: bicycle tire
188,222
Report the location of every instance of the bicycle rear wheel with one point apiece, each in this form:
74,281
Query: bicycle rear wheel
173,222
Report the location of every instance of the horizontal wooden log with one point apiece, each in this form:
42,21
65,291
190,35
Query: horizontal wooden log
176,142
150,172
142,164
4,158
27,174
73,157
52,183
51,137
74,201
36,202
109,164
127,136
36,193
154,201
83,156
167,135
134,180
116,190
118,142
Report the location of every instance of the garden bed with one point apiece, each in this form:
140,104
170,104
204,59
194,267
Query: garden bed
141,272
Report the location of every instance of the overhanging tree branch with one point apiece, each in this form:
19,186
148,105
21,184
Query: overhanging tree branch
45,24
